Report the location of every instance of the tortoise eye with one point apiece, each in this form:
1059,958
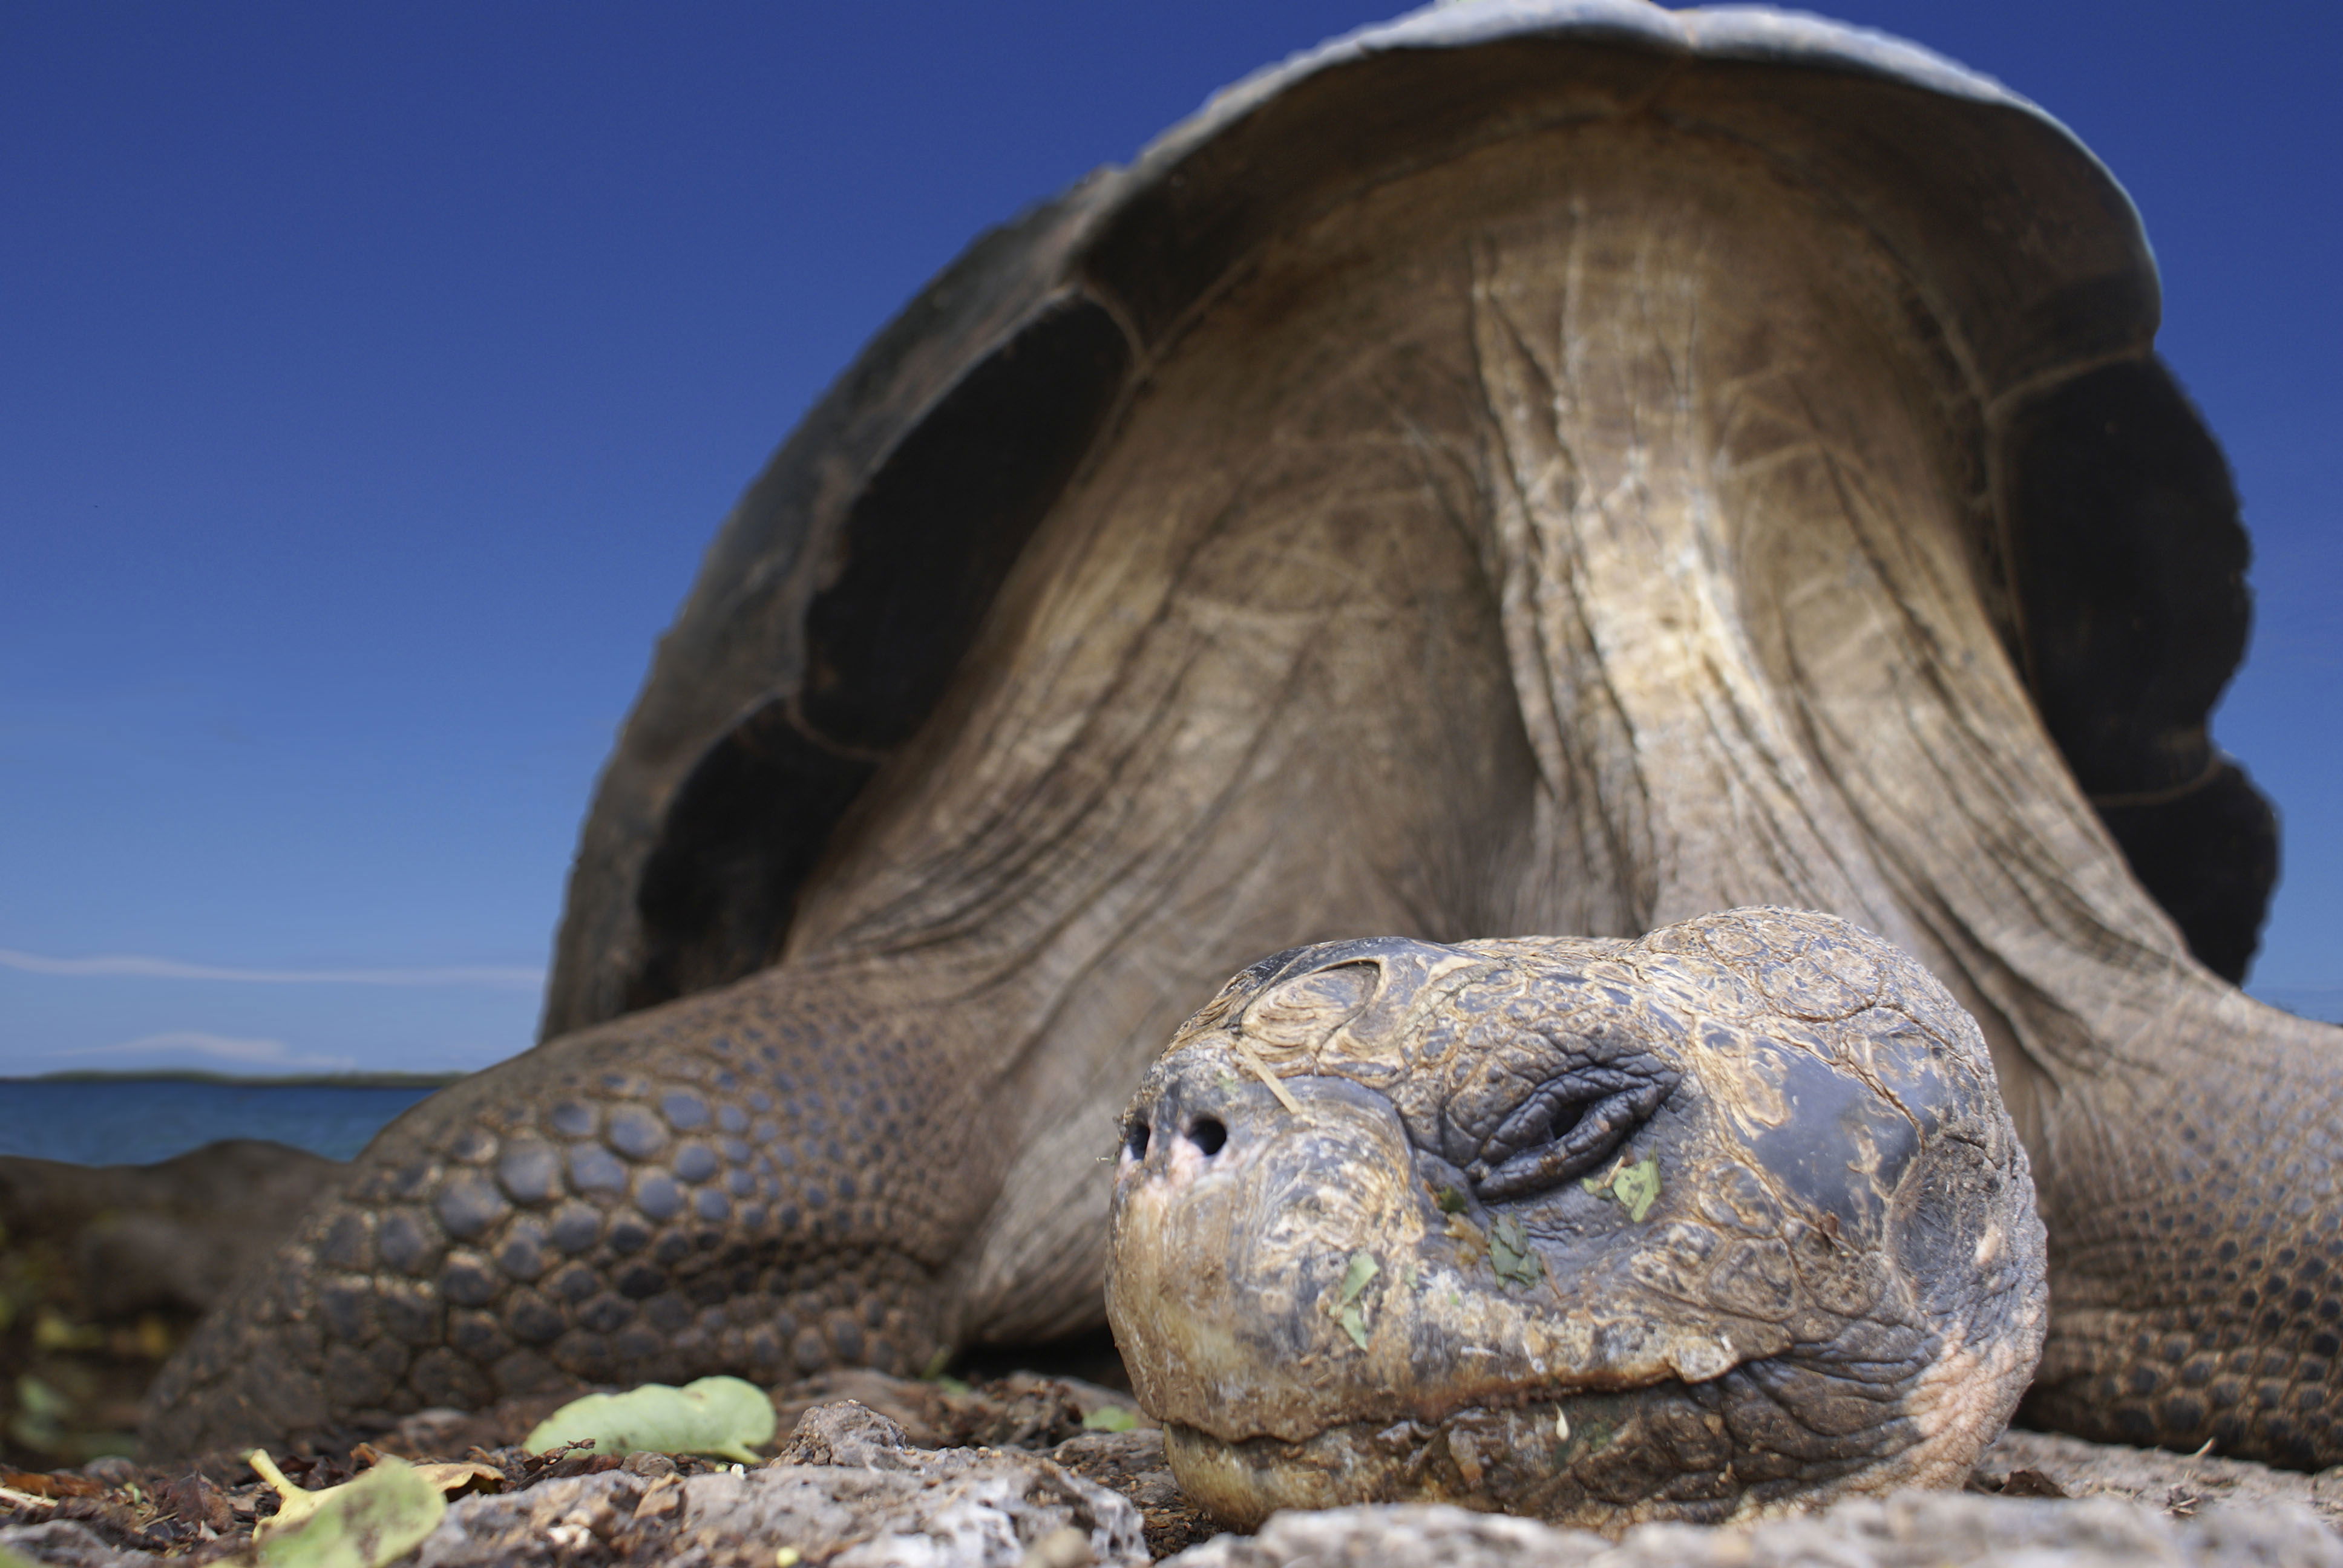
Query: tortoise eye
1565,1128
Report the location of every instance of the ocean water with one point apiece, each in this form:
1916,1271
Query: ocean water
138,1120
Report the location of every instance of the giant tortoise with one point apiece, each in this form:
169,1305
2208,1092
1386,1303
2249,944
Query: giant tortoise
1552,466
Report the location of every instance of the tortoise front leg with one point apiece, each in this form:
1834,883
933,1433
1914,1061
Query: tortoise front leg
2198,1221
743,1181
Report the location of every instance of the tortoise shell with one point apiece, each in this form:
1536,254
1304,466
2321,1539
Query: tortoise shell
847,584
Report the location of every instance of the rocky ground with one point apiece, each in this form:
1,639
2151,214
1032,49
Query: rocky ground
102,1272
1033,1472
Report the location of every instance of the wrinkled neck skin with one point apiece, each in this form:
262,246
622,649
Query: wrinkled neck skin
1617,550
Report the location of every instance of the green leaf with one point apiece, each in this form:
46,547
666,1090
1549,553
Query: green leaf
1343,1306
1450,1200
376,1519
1111,1418
1637,1188
718,1415
1510,1254
293,1503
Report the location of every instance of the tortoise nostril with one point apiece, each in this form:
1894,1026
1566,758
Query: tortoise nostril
1135,1140
1208,1135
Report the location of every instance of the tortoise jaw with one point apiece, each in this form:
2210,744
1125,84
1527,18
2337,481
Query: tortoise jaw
1570,1455
1594,1460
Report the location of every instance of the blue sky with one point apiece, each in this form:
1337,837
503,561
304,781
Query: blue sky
372,377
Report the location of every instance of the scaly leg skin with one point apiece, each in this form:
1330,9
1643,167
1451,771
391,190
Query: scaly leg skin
2201,1279
1605,554
719,1184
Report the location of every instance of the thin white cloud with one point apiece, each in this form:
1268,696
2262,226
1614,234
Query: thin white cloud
223,1047
136,966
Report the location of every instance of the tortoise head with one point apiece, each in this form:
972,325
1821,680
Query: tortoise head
1592,1229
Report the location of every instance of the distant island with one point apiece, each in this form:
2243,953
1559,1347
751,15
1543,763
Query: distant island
245,1080
125,1117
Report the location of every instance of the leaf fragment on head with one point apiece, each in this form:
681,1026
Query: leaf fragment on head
1635,1188
717,1415
1510,1254
1343,1306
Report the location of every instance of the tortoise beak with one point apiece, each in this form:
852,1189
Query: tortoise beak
1235,1218
1178,1133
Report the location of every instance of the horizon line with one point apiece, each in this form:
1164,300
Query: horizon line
140,966
354,1078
